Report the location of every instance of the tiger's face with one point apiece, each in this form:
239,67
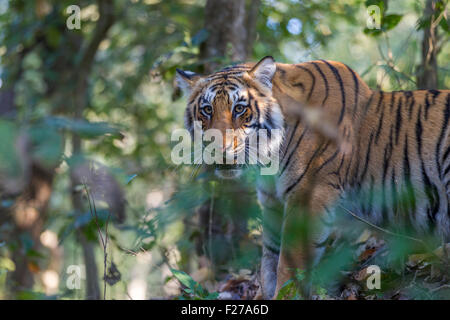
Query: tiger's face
237,102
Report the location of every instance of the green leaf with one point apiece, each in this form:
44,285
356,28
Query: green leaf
445,25
200,37
379,3
299,275
32,61
286,290
9,159
84,128
192,287
184,279
322,293
390,21
372,32
7,264
131,178
212,296
47,145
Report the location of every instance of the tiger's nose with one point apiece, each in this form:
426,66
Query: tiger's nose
228,145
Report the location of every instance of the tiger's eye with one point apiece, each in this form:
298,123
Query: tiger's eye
207,109
239,108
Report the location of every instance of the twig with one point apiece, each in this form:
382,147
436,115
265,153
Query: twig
444,286
211,207
430,250
105,240
390,61
382,229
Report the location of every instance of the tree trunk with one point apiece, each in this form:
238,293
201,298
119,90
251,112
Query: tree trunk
427,75
231,27
29,215
231,31
106,20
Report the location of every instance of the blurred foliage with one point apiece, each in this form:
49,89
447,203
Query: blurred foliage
131,109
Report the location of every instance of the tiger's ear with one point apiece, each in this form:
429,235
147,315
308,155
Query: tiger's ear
263,71
186,80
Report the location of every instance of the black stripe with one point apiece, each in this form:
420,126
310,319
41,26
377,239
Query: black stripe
196,107
220,74
355,79
268,119
258,113
394,194
188,119
427,105
366,164
371,193
407,94
290,139
338,170
398,120
368,104
334,186
380,124
260,94
432,195
286,164
348,169
392,101
313,78
429,188
316,153
447,169
386,162
435,94
419,132
356,171
300,84
446,153
341,84
327,161
324,80
411,105
214,87
409,204
441,136
380,101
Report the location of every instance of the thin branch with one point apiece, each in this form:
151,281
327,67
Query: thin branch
93,211
445,286
382,229
106,20
210,225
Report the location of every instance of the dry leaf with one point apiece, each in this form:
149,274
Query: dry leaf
33,267
366,254
363,237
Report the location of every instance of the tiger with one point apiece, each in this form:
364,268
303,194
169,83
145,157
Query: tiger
397,142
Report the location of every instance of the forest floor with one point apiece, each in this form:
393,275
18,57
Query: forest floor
414,276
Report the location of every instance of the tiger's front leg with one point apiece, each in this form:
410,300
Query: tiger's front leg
272,210
303,235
